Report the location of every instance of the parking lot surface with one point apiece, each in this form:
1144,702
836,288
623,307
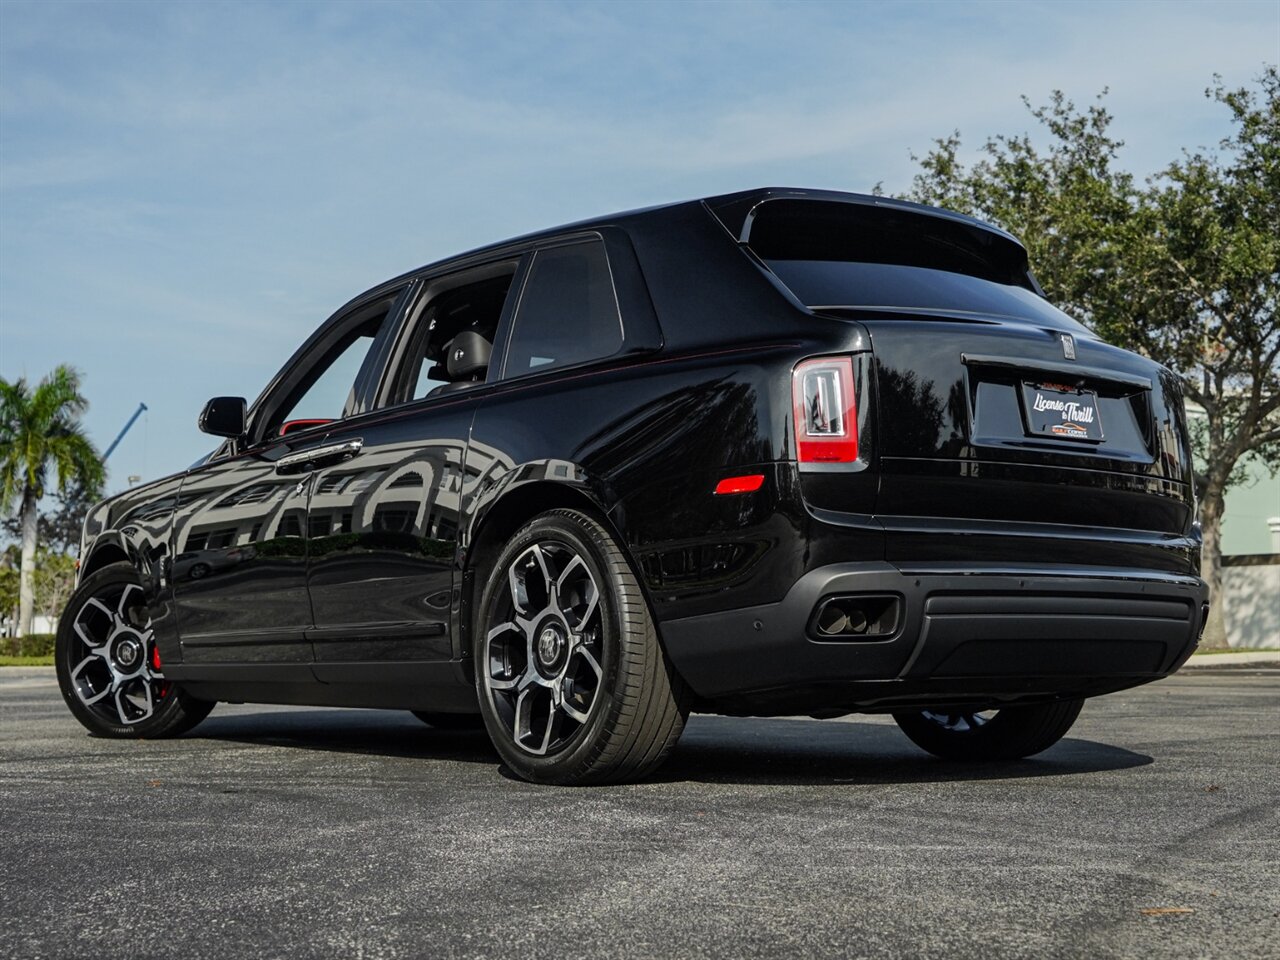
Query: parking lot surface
1152,831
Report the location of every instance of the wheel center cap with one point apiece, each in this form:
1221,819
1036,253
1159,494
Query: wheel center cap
550,643
128,652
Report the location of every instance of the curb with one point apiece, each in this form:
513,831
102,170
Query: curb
20,672
1234,661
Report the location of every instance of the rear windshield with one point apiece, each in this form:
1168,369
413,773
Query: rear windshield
833,255
820,284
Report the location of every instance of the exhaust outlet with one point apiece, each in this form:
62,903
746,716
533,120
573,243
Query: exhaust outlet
832,620
857,618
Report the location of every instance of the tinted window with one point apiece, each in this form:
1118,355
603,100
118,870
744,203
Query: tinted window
472,302
850,232
866,255
327,397
568,312
828,283
324,388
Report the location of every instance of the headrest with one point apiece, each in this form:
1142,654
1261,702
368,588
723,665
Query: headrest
467,355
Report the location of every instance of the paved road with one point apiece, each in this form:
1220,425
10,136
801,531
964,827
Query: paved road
314,833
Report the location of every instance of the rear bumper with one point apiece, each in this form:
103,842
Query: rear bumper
964,635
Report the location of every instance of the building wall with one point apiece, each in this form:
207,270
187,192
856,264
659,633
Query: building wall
1249,506
1251,585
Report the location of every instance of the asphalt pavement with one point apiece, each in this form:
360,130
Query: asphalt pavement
1152,831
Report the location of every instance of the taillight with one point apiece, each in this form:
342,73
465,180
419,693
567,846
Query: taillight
825,416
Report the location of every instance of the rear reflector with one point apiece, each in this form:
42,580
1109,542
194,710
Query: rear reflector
748,484
825,417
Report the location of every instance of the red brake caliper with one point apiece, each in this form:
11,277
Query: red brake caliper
163,688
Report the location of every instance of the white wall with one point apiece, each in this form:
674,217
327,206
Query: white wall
1252,604
39,624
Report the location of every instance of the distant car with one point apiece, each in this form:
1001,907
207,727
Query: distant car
195,564
778,452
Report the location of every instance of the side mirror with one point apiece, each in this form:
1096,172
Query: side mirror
224,417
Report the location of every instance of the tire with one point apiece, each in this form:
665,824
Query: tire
450,721
573,684
108,666
1007,734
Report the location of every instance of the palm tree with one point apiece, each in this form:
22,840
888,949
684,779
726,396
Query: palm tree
37,428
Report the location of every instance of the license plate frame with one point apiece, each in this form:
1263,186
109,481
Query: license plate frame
1061,412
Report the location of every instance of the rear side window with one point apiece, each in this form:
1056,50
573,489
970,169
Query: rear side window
568,311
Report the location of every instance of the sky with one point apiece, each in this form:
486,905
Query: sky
187,190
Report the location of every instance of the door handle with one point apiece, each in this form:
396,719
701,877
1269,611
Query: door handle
320,456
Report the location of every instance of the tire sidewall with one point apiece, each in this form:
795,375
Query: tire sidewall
588,741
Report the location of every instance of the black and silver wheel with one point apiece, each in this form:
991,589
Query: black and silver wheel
108,664
573,684
1009,733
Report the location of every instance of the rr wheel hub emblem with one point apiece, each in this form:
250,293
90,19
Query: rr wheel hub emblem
550,643
127,652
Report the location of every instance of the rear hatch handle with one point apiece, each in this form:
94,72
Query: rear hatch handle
1073,371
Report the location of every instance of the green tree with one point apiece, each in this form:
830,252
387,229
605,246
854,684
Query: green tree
8,588
59,527
53,581
40,428
1184,268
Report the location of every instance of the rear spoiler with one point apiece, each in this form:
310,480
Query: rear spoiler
736,212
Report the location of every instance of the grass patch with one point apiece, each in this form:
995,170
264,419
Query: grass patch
8,661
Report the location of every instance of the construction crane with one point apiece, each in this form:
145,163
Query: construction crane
142,407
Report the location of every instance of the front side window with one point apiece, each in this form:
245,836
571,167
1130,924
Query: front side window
325,391
568,311
327,397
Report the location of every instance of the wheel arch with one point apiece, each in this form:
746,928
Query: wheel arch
497,521
104,553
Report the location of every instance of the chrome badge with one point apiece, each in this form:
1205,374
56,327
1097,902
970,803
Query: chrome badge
1068,346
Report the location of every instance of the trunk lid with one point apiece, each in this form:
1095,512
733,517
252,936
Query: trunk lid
994,420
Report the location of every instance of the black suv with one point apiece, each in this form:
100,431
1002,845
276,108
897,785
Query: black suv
777,452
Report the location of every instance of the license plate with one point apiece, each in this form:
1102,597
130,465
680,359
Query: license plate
1052,410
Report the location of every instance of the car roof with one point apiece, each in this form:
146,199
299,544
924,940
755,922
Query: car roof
734,210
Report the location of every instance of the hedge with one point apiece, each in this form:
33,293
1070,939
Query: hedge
32,645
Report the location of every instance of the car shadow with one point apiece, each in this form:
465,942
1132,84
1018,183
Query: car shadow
384,733
815,752
734,750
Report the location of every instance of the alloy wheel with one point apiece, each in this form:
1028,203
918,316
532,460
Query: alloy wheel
117,672
960,722
543,655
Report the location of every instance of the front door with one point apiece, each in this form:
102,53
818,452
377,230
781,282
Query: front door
239,563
